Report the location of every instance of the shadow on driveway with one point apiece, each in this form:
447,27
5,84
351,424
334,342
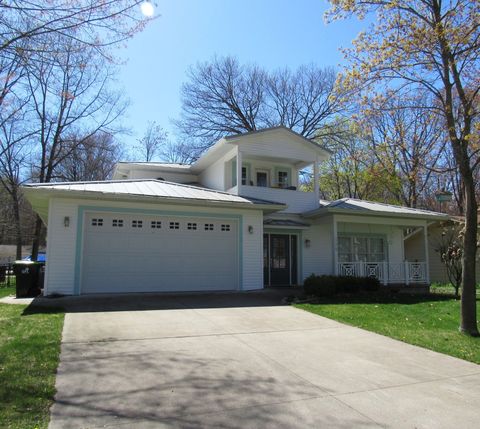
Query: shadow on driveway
162,301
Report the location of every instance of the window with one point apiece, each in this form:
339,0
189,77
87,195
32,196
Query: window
209,227
97,222
137,223
359,248
225,227
262,178
192,226
118,223
282,177
244,176
174,225
156,224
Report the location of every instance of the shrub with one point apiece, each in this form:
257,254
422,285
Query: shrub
327,285
323,286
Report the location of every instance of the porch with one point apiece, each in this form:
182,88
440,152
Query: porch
388,273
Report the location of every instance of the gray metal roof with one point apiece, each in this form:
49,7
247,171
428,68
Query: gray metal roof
148,188
355,206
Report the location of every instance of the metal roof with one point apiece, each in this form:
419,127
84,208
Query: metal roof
148,188
354,206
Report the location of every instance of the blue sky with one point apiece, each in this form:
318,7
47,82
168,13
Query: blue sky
270,33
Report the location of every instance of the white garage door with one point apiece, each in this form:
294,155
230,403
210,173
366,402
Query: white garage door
137,253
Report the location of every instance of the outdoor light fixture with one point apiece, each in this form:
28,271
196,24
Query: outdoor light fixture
250,229
307,243
66,221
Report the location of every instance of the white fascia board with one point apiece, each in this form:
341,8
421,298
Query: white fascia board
324,211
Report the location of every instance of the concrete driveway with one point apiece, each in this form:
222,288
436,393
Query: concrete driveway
244,361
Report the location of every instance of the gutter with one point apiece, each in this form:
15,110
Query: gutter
324,211
105,196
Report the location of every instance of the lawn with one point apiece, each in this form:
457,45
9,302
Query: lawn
29,353
428,321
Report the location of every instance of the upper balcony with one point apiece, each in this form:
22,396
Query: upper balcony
272,179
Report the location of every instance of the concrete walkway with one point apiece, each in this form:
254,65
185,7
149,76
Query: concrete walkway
245,361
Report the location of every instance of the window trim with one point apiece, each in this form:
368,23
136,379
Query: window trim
352,235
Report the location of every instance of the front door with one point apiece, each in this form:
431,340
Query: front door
280,256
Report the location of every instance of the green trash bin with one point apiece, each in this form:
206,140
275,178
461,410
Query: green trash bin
27,278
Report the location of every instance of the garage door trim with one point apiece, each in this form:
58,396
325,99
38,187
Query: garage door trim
82,210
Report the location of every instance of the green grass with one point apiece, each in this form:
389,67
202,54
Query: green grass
29,354
6,291
431,322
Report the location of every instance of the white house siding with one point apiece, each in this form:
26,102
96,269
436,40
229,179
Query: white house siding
318,258
297,201
60,267
215,176
62,241
278,144
169,176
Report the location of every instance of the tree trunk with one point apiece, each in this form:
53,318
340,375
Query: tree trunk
36,238
469,302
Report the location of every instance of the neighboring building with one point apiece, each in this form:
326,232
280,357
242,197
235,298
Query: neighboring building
236,219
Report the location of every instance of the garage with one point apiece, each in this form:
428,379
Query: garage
129,252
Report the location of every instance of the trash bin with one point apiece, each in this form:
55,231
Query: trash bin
27,278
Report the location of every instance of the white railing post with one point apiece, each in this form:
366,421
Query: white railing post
407,273
385,272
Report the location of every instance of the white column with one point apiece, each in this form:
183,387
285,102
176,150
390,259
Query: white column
427,264
315,180
334,246
239,171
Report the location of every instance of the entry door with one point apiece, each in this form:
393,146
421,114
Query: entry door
280,257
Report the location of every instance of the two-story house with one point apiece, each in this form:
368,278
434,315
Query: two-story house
236,219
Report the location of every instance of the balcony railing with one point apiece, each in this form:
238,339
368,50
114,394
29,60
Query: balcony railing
386,272
297,201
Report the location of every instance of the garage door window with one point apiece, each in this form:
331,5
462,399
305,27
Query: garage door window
226,227
174,225
117,223
209,227
192,226
97,222
156,224
137,224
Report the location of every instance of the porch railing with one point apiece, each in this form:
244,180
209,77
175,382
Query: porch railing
386,272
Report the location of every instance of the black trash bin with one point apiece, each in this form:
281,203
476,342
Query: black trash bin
27,275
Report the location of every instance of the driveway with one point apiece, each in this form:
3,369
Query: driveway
245,361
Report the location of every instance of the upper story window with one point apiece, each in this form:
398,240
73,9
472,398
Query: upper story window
282,179
244,176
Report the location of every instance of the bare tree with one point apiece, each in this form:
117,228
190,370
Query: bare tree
150,144
89,159
70,97
352,170
407,139
224,97
303,100
90,23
